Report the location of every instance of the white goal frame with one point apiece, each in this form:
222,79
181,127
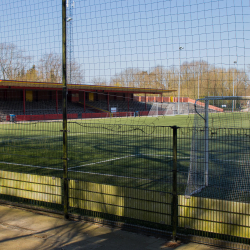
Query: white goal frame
205,117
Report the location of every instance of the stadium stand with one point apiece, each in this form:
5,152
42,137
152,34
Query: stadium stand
38,108
40,100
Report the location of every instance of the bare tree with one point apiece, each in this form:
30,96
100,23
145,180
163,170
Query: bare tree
171,79
197,78
32,74
50,70
157,77
99,81
13,62
127,78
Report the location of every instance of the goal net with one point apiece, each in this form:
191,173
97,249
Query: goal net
170,108
219,158
154,110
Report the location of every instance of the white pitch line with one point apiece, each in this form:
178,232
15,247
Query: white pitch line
111,175
30,138
114,159
120,176
89,164
19,164
93,163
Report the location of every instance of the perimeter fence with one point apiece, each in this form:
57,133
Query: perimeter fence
136,175
85,59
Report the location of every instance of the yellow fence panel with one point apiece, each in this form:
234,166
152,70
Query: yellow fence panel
127,202
215,216
29,186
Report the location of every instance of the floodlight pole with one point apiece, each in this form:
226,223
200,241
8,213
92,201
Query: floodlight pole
180,48
233,88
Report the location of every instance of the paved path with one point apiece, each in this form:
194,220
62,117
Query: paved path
22,229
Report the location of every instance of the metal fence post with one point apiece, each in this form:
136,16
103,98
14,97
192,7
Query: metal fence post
175,195
64,96
206,141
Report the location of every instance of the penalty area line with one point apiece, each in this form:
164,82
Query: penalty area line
119,158
114,159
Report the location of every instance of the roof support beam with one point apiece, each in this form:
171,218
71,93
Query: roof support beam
24,101
108,101
84,101
128,101
56,101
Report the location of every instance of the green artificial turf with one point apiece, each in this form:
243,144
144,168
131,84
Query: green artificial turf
133,152
118,151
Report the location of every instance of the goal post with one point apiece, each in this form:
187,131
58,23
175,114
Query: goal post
209,117
153,112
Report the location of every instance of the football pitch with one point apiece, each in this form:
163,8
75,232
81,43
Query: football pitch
132,152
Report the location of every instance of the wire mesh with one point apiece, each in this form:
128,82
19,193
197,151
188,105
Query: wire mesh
116,52
121,172
31,163
228,165
168,45
130,156
214,203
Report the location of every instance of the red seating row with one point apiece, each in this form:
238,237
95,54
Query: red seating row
41,117
72,116
116,114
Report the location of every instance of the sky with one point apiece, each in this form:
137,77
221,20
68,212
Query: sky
109,36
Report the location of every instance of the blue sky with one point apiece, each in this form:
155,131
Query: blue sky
110,36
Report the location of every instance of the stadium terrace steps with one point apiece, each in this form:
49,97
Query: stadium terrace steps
39,108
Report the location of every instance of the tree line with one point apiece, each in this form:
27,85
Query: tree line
15,65
196,78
